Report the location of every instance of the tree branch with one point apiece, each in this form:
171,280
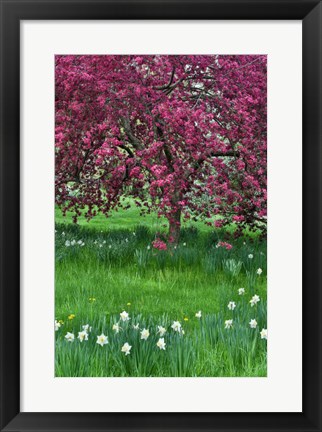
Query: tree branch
128,150
131,137
166,86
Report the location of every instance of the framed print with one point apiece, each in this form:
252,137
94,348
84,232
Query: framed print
160,215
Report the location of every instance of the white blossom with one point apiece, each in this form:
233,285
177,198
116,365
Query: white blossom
254,300
83,335
252,323
231,305
124,316
161,331
102,340
228,323
161,344
69,337
176,326
126,348
116,328
145,334
263,334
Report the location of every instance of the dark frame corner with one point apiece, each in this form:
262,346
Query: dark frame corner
12,12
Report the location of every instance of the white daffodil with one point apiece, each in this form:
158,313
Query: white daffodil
69,337
148,247
83,335
259,271
263,334
136,326
126,348
57,325
124,316
228,324
184,244
145,334
255,299
161,344
80,242
161,331
250,256
87,328
231,305
241,291
252,323
102,340
73,242
116,328
67,243
198,315
63,234
110,246
176,326
126,240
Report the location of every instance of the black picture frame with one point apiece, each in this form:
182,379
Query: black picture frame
12,12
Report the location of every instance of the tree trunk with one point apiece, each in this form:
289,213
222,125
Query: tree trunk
174,227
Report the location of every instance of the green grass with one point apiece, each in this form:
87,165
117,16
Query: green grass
129,219
119,269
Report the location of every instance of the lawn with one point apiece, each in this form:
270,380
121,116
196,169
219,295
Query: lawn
108,266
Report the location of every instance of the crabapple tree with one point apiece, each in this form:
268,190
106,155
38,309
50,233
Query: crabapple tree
185,136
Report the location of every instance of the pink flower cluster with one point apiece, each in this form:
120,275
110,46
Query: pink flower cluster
159,244
225,245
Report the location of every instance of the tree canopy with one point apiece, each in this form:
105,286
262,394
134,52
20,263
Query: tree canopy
183,135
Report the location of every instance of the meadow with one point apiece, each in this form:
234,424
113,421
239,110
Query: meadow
185,311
